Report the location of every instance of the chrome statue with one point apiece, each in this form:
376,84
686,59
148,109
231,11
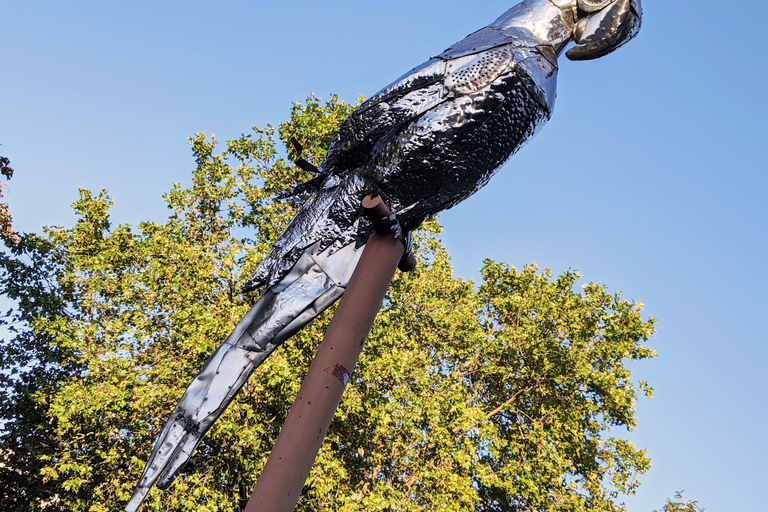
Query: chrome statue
426,142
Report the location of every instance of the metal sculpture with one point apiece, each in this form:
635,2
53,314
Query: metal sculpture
426,142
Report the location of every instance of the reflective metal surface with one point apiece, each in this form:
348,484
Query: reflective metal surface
426,142
604,30
315,282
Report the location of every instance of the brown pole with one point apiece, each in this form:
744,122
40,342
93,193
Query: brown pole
279,487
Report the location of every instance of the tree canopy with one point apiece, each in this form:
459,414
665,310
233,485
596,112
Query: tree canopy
680,504
495,397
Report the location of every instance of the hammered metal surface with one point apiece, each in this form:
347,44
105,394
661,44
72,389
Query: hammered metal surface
468,74
425,142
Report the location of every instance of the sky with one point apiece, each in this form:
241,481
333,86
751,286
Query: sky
650,177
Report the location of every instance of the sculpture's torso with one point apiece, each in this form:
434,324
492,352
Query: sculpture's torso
437,134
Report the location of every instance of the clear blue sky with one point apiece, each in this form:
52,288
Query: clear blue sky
650,178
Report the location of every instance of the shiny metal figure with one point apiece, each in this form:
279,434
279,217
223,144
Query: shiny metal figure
426,142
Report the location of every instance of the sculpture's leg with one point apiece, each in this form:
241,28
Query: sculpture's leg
315,283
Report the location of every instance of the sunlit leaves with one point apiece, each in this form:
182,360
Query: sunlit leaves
681,504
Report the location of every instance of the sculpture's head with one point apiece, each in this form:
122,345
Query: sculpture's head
603,26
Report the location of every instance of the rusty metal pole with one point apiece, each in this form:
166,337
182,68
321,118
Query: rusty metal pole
279,487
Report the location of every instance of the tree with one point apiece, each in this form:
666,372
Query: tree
681,504
6,226
499,398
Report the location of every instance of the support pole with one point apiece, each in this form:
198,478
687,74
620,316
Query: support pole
279,487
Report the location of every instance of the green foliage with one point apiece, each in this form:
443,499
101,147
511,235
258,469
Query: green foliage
492,399
681,504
